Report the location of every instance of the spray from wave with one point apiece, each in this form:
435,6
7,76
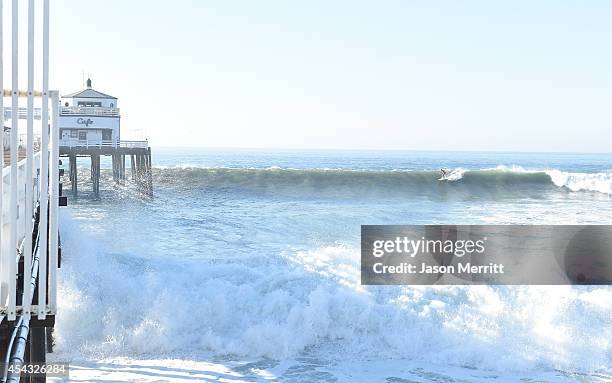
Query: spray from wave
129,304
599,182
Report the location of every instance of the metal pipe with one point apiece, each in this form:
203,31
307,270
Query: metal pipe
3,271
14,147
16,360
8,350
43,225
29,173
54,200
18,344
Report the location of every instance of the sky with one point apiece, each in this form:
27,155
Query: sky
410,75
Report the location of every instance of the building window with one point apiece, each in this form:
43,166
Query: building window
112,105
90,103
73,134
82,136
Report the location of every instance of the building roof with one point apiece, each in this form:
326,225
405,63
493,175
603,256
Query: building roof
88,93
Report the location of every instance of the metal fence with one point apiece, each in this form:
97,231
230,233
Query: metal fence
29,186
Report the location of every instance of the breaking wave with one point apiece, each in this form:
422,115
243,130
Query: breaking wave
129,304
237,277
498,180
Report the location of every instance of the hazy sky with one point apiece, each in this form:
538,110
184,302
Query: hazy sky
448,75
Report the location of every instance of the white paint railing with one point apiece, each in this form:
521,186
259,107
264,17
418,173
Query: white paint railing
89,111
31,182
76,143
134,144
23,112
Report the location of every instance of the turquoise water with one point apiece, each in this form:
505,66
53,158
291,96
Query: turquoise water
250,254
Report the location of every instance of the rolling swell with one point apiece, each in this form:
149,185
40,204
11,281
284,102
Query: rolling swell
337,183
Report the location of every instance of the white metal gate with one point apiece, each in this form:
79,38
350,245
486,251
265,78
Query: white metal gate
31,180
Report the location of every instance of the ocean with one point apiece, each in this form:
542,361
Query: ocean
244,266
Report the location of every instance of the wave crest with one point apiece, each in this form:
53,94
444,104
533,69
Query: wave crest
598,182
347,183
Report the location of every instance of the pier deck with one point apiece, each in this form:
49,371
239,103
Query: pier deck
21,154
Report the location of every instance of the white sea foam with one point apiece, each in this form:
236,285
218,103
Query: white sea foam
599,182
128,304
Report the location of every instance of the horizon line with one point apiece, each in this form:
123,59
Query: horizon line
227,148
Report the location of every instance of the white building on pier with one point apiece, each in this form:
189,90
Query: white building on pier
89,118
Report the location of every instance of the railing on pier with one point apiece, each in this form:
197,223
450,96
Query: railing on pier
22,112
23,138
89,111
76,143
134,144
29,194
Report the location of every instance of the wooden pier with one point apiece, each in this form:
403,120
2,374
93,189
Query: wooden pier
140,164
90,126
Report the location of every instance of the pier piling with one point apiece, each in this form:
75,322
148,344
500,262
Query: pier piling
122,169
133,166
73,173
149,173
38,351
142,172
95,166
115,168
138,172
140,164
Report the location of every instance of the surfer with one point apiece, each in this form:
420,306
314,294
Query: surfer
444,173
